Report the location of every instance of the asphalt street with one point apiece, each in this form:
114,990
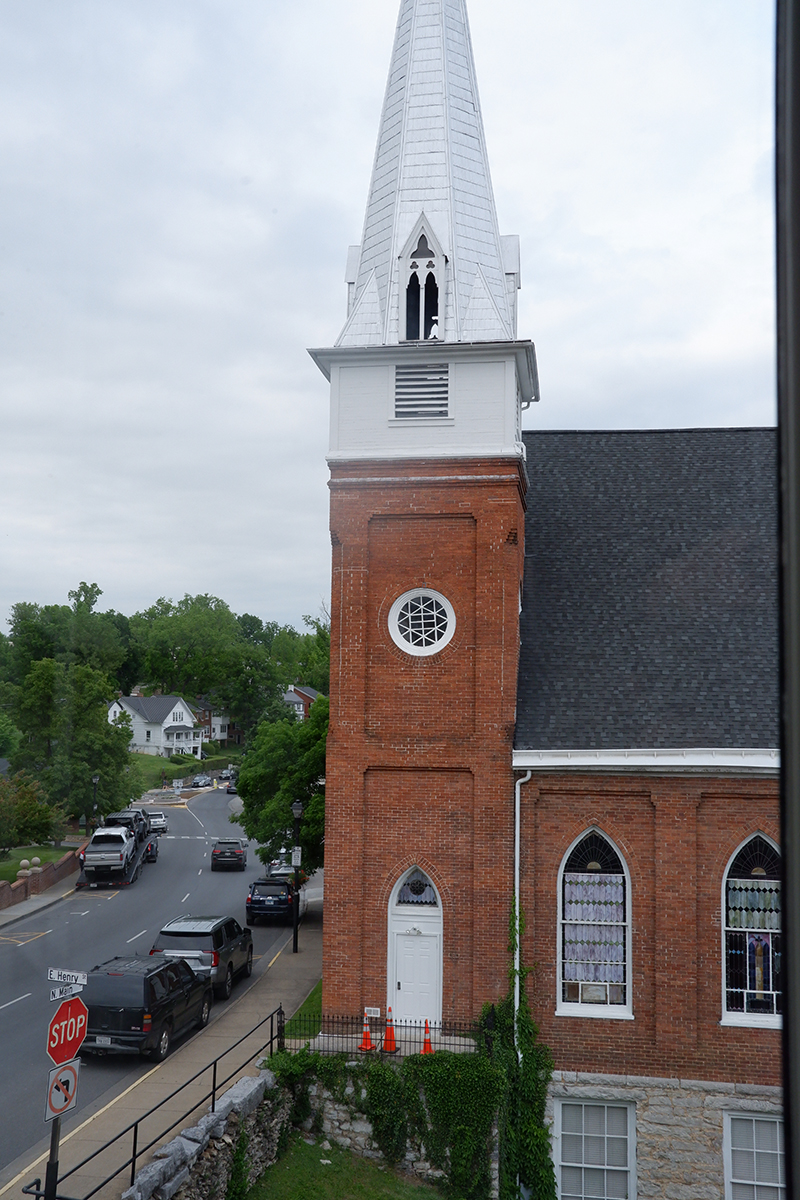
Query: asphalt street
89,926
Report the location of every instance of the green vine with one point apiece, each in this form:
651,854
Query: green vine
448,1103
238,1181
528,1067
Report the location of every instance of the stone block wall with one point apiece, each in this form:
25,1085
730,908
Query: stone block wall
678,1126
196,1165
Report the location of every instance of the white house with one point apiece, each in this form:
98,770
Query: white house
161,725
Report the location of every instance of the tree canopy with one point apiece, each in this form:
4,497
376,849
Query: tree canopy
287,763
61,665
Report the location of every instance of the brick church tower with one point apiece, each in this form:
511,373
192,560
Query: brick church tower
428,382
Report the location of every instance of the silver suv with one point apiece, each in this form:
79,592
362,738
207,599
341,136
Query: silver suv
216,948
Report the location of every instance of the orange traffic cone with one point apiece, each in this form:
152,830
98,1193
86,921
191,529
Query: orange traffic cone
366,1041
427,1048
389,1044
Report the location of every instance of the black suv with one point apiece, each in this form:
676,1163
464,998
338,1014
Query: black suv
137,1006
132,820
217,948
229,852
270,898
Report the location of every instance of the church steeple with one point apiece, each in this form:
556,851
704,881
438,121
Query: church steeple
431,264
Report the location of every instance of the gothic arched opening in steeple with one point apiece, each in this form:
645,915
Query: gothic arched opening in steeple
423,268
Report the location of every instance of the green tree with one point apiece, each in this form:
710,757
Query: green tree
62,713
287,763
9,735
192,647
31,819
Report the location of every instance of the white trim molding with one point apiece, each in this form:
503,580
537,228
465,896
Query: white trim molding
701,761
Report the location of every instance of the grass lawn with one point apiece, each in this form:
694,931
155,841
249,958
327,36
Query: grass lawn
9,866
300,1175
311,1006
151,765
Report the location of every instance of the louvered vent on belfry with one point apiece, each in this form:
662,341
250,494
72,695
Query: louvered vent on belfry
421,391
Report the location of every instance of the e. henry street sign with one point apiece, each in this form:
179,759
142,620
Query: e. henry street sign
67,1030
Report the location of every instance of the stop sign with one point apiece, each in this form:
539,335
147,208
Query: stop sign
67,1030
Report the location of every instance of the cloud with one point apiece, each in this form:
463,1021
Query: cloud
181,183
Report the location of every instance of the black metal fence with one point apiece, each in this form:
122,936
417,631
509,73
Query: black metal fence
139,1147
346,1035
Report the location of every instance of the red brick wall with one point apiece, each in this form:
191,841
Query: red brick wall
677,836
419,751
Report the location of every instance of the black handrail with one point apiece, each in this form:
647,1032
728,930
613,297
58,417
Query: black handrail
276,1024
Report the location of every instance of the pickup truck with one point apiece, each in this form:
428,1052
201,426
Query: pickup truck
111,849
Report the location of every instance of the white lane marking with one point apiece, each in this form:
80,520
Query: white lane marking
135,936
169,837
74,913
200,872
10,1002
185,837
186,897
199,822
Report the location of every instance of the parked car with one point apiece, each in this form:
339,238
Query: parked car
110,849
201,781
225,774
216,948
138,1005
272,899
132,820
229,852
158,822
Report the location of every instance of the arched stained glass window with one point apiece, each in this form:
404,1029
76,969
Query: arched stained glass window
417,889
753,930
594,926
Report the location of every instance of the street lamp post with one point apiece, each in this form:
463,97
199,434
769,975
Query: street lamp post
297,812
95,781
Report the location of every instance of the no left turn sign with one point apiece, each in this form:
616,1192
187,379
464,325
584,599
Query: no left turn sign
62,1089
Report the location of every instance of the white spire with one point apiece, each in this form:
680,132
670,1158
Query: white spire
431,181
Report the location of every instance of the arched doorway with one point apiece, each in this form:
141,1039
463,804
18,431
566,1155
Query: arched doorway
414,971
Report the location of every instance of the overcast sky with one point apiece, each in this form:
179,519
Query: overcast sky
180,181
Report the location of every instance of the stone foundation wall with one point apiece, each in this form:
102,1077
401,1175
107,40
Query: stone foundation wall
679,1126
196,1165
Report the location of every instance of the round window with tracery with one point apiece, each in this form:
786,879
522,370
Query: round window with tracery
422,621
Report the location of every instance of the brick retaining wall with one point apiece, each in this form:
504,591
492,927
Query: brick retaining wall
39,881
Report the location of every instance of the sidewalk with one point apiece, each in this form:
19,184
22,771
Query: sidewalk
286,980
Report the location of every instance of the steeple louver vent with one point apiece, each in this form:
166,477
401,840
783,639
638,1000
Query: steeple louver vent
421,391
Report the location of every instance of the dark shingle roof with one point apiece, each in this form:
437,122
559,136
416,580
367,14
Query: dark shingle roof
650,602
153,708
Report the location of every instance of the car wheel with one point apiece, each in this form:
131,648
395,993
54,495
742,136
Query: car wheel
248,966
213,866
243,866
226,987
250,920
162,1046
205,1011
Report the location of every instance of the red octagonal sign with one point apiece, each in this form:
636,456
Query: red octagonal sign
67,1030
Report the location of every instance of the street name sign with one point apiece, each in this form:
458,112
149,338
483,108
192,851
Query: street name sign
66,1030
64,993
56,975
62,1089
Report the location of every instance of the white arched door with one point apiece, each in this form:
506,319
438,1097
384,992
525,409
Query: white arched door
414,974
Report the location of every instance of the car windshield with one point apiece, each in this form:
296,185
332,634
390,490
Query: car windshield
154,816
270,889
184,941
228,846
108,839
118,991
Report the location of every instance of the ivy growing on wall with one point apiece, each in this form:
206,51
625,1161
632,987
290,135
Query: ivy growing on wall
527,1065
448,1102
